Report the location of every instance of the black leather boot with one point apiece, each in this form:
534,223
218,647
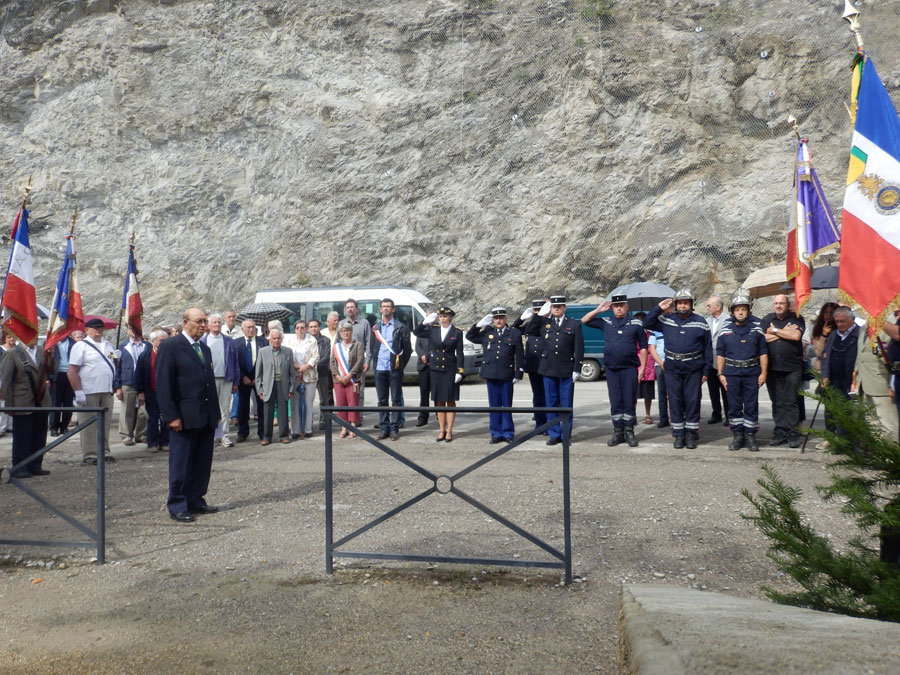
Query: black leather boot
629,437
738,441
617,437
679,442
750,440
690,439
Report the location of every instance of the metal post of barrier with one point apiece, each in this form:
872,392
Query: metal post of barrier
567,513
329,534
101,487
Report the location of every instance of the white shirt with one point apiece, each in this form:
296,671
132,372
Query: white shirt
95,370
135,349
307,352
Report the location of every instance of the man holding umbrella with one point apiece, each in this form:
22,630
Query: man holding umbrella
625,349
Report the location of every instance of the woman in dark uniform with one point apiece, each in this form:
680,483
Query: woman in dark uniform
445,361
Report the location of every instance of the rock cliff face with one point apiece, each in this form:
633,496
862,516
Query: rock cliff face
483,152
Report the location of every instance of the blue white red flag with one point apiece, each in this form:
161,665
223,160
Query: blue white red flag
66,313
20,315
131,298
813,229
870,224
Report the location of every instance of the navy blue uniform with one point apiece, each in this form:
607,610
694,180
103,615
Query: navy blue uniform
688,356
563,352
622,340
503,363
742,347
534,348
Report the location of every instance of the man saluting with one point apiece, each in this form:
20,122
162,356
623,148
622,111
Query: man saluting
624,350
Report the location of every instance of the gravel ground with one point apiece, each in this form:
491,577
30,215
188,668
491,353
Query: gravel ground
245,590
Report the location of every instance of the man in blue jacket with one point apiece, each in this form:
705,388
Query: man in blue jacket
186,390
688,357
132,416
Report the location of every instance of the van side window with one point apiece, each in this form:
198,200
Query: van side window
321,310
404,314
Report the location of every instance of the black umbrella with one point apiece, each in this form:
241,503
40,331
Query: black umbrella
822,277
643,295
263,312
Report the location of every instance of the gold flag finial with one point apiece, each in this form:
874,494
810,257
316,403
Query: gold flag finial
27,192
851,16
74,218
793,122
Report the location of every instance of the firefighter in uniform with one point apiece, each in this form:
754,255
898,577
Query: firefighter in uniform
742,360
561,358
624,359
688,356
502,367
534,347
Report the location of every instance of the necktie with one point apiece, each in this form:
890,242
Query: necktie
248,355
199,353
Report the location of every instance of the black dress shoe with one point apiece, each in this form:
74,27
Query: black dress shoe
183,517
662,425
55,433
715,419
777,440
554,441
394,436
496,440
294,437
421,423
89,461
21,473
383,436
205,509
508,440
39,472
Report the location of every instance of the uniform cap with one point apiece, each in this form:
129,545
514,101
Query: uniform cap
537,304
498,311
446,310
557,300
619,298
684,294
94,323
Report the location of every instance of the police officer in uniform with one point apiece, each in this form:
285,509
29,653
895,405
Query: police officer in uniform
624,358
502,367
742,360
688,356
534,348
561,358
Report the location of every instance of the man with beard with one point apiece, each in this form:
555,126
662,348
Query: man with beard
742,361
784,335
688,356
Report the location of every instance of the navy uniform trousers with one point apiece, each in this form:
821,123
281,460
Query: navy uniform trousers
684,400
500,394
538,397
558,393
743,402
622,385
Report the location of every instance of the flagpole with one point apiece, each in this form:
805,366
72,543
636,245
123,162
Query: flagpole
851,16
54,312
122,308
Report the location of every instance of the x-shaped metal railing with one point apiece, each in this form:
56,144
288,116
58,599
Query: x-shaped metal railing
444,484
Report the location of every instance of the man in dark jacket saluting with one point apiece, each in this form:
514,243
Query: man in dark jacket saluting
186,389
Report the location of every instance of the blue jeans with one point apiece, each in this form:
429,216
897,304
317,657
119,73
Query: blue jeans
389,385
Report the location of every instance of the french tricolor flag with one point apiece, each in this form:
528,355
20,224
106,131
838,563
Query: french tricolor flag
131,298
20,316
66,314
870,225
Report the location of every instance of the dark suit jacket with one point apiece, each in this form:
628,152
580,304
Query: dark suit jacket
14,370
534,346
125,368
241,344
186,388
142,372
232,365
421,349
503,356
445,355
839,358
400,343
563,346
70,342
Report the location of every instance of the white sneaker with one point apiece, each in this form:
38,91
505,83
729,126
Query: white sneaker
227,442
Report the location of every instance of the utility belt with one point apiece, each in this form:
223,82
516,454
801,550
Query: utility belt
685,356
748,363
895,367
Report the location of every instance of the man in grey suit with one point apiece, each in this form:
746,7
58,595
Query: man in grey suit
276,380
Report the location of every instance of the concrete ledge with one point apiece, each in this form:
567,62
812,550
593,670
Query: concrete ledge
670,630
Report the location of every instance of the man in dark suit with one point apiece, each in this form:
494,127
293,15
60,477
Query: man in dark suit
61,393
561,359
186,390
20,372
390,350
534,349
248,347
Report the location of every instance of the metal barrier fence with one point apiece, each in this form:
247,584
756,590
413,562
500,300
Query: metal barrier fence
443,484
96,537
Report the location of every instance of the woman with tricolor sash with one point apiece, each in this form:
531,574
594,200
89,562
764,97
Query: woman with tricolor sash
347,361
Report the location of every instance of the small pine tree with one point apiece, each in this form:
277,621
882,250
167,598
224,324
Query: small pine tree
863,581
